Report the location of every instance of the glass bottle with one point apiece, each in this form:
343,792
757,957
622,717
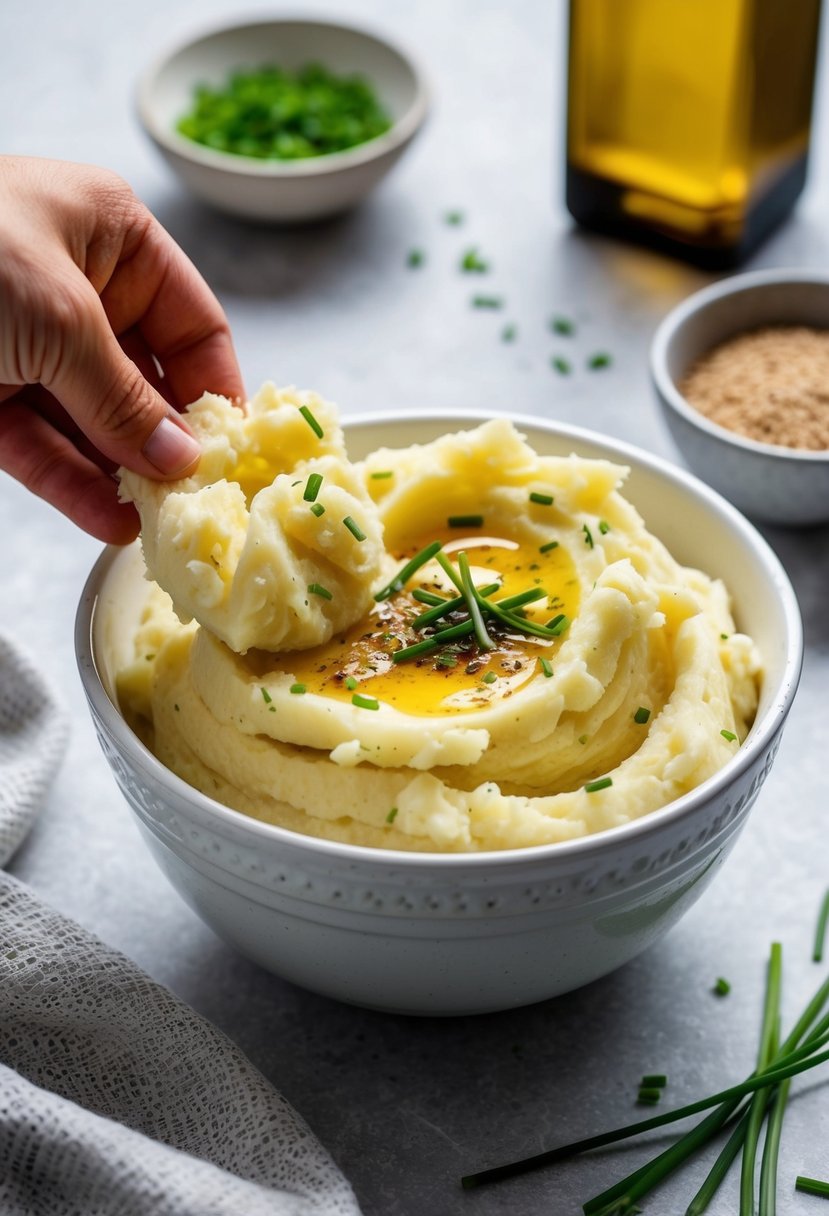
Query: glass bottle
689,120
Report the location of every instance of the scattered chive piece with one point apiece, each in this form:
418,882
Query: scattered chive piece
563,326
509,333
473,263
546,667
312,487
266,696
722,987
465,521
583,739
729,735
598,361
544,500
811,1186
588,536
311,420
382,475
649,1095
298,688
454,218
416,258
411,567
317,509
350,683
392,815
641,716
489,678
487,302
322,592
364,702
602,784
654,1079
354,528
548,548
562,366
724,637
604,527
820,931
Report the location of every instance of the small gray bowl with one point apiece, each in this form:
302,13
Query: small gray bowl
776,484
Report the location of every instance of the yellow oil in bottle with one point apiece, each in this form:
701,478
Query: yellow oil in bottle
689,120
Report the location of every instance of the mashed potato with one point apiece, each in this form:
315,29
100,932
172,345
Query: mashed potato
284,665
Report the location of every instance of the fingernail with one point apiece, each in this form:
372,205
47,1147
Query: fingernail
171,449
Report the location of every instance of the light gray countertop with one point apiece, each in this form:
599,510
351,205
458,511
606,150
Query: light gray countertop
406,1106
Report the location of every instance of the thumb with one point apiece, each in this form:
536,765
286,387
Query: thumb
115,406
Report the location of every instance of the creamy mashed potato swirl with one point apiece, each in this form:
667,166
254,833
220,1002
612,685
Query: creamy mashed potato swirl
621,685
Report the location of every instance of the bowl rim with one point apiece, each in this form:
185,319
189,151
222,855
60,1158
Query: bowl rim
398,134
594,845
698,302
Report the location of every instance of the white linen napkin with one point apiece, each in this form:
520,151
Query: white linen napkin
115,1096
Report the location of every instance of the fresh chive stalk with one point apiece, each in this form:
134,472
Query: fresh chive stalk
411,567
811,1186
473,601
765,1054
820,930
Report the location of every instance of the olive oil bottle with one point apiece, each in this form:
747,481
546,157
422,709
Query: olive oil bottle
689,120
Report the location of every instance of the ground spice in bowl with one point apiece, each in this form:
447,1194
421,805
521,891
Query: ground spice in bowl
770,385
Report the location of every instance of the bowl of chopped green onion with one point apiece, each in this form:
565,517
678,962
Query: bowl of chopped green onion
282,120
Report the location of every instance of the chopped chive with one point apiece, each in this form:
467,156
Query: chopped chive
416,258
546,667
603,783
447,659
298,688
562,366
351,683
312,487
364,702
322,592
811,1186
509,333
454,218
820,930
558,624
392,815
604,527
588,536
311,420
649,1095
657,1079
488,302
563,326
354,528
317,509
722,987
465,521
729,735
266,696
544,500
548,548
598,361
411,567
641,716
473,263
381,475
489,678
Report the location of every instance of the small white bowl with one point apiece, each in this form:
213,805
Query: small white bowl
281,191
453,933
776,484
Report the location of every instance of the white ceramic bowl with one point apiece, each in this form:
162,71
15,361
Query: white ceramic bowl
281,191
776,484
450,934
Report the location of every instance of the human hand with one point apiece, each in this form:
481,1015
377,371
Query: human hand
95,298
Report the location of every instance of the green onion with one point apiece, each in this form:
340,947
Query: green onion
465,521
820,930
600,360
489,678
473,263
317,509
487,302
381,475
548,548
312,487
562,366
311,420
364,702
812,1186
416,258
322,592
546,667
641,716
392,815
602,784
298,688
351,683
722,987
563,326
544,500
354,528
266,696
405,573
